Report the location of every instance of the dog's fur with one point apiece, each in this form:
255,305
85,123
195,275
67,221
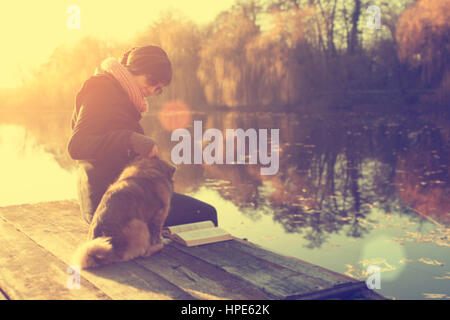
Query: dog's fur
128,221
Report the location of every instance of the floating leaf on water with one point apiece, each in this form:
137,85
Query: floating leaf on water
432,172
438,236
297,215
445,277
380,262
436,296
353,272
399,241
334,245
423,260
442,243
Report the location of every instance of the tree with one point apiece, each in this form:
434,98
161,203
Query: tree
354,42
181,39
423,37
223,70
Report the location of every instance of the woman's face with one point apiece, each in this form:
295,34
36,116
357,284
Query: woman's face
147,89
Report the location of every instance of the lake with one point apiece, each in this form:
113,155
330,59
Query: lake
353,189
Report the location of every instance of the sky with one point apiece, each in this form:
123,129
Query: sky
31,30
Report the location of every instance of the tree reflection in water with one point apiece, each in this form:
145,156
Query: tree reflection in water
333,170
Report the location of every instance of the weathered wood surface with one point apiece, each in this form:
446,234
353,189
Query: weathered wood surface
2,296
58,228
38,241
28,270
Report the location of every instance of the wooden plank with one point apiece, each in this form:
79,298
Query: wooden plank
330,277
234,269
336,291
3,296
202,280
275,280
58,228
365,294
28,271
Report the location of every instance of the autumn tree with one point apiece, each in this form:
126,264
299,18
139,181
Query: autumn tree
181,39
423,37
223,70
53,85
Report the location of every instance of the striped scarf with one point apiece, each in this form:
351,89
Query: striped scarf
126,80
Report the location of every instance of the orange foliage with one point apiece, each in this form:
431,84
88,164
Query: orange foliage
422,30
423,34
428,198
423,41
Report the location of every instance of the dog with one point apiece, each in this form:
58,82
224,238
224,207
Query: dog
129,218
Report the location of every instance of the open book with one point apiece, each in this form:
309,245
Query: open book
194,234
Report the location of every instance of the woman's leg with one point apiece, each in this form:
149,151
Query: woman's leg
90,192
87,198
185,209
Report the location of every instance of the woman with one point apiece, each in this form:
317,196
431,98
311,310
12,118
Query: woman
106,134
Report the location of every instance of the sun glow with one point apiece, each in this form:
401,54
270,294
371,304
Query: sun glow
31,30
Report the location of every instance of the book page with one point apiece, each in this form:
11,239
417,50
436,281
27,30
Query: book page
189,227
210,233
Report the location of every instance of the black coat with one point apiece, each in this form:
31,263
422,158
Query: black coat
103,119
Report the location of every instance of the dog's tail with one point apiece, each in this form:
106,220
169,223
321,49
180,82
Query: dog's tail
94,253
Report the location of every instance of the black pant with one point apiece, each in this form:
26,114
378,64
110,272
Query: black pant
183,209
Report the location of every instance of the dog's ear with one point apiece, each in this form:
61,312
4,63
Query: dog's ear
167,168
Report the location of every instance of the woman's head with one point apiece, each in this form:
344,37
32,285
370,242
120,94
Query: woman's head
151,67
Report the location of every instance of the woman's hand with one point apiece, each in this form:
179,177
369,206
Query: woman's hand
143,145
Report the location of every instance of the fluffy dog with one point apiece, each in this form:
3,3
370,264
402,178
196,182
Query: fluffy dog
128,221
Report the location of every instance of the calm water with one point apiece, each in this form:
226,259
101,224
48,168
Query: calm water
352,190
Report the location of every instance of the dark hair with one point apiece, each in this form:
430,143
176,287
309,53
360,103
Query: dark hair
149,60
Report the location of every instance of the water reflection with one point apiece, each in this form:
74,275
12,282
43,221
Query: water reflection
29,170
333,170
358,188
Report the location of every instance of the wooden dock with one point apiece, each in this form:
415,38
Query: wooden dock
38,240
